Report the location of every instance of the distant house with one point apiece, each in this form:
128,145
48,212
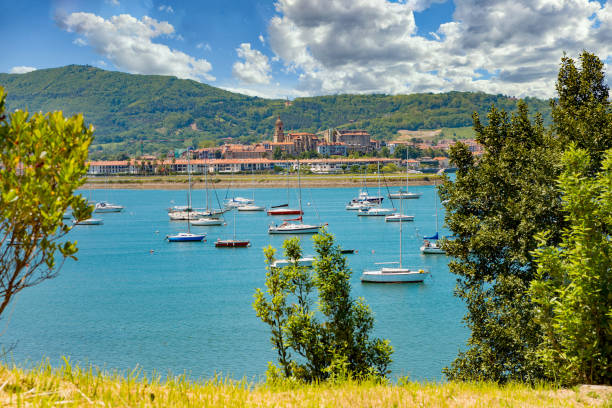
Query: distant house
332,149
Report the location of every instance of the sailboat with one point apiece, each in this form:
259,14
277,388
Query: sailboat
364,201
232,243
284,209
431,245
206,218
376,210
406,195
187,236
288,227
251,206
400,217
395,274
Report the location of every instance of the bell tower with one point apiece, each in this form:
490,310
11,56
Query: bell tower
279,136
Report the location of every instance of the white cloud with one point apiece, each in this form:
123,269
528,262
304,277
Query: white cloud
80,42
256,66
21,70
127,42
205,46
373,46
167,9
113,2
262,40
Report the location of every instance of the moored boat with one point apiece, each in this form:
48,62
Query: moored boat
205,221
375,212
106,207
394,275
185,237
251,207
397,217
89,221
232,243
307,261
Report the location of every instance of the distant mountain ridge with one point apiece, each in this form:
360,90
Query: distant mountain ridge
155,112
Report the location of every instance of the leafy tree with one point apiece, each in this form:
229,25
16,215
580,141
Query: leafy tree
582,114
399,152
43,163
331,341
573,285
494,208
277,153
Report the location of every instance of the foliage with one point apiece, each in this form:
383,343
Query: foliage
163,112
583,114
573,285
332,342
43,163
494,208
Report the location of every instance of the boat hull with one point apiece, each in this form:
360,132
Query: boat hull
251,208
374,213
206,221
432,250
307,262
311,229
405,196
393,277
186,238
90,221
405,218
108,210
230,243
285,212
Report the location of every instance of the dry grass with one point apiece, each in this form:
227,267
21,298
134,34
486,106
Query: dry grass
74,387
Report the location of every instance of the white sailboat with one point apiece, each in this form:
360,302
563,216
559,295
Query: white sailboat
187,236
395,274
206,218
431,245
405,195
377,210
288,227
251,207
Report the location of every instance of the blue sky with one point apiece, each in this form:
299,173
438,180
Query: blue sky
289,48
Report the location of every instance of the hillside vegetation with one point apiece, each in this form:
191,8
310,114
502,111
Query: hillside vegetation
75,387
155,113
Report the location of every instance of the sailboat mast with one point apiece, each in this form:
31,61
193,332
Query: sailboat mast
287,186
189,192
299,188
400,240
436,199
234,225
406,175
206,182
379,181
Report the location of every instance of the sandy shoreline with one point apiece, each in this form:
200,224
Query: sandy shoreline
180,183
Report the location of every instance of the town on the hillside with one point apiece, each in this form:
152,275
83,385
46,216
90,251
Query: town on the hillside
327,152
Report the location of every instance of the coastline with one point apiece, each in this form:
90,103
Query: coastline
255,181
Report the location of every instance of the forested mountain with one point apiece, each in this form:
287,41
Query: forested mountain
155,113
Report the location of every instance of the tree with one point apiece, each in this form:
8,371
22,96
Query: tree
582,114
332,341
495,207
43,163
277,154
573,284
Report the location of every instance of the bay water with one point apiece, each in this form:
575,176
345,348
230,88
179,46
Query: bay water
134,300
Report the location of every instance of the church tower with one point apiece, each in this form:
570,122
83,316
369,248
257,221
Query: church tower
279,136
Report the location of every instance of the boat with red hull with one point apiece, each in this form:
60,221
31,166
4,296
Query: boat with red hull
232,243
285,211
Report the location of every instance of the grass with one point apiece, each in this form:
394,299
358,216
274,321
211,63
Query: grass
73,386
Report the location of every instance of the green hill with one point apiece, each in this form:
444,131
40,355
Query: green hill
157,113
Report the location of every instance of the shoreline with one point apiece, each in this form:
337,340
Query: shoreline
254,181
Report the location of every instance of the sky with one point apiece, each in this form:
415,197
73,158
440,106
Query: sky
292,48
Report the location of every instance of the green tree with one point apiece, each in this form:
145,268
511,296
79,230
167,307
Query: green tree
331,340
495,207
400,151
582,114
43,163
277,153
573,285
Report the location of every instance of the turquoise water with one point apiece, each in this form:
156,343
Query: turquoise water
187,307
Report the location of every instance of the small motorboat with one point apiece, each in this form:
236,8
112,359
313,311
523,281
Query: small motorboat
295,228
105,207
431,247
89,221
232,243
185,237
348,251
238,202
405,195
